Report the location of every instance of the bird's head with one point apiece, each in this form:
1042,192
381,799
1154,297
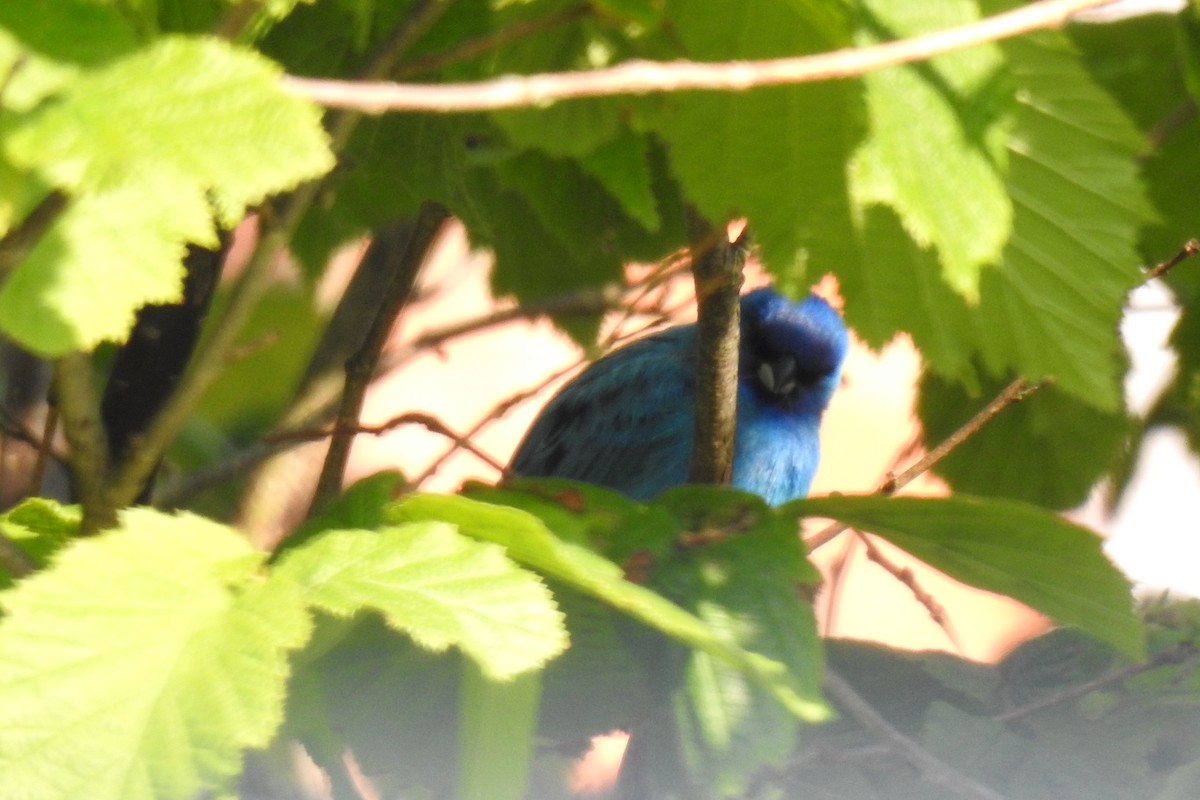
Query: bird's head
791,352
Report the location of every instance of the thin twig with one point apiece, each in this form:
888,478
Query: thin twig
1016,391
931,768
75,395
482,45
361,366
20,239
937,612
314,409
427,421
496,412
1190,248
1175,655
643,77
582,303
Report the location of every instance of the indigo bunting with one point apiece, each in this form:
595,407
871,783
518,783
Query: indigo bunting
626,421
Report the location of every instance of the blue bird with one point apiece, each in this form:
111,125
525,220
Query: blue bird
626,421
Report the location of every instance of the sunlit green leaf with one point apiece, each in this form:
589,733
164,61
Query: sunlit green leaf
155,148
142,662
438,587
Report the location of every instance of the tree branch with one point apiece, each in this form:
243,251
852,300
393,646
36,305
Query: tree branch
1177,654
21,238
717,271
931,768
79,408
644,77
361,366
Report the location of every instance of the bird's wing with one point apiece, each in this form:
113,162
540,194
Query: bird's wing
624,423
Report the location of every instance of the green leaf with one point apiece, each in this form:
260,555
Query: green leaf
383,698
231,129
746,578
146,182
898,286
1075,443
363,504
774,155
391,165
70,30
438,587
622,166
40,527
1052,308
497,723
1006,547
529,542
142,662
110,252
934,149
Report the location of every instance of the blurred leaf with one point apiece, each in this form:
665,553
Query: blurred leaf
1075,443
530,543
496,729
392,704
1006,547
745,576
438,587
77,31
142,662
283,332
392,164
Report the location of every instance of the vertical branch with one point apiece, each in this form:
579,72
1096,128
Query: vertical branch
361,366
717,271
80,412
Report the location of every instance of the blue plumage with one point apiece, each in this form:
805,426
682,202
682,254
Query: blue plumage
626,421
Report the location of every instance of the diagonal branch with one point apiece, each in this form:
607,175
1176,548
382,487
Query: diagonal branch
645,77
931,768
360,367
